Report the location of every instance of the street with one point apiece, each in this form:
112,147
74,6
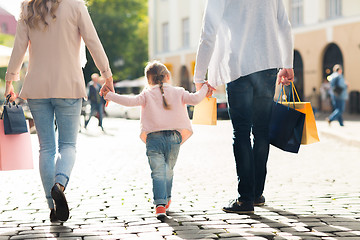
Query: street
310,195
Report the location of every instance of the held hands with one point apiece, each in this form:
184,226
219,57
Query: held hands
285,76
107,87
210,91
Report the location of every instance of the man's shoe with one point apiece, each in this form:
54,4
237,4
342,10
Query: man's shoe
160,212
61,206
259,201
236,206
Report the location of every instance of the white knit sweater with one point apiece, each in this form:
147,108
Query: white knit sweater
240,37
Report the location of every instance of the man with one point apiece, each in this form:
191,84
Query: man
243,44
339,94
96,101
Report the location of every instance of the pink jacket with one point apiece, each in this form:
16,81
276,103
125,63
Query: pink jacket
154,117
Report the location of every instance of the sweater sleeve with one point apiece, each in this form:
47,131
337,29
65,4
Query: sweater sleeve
17,56
285,36
129,101
92,41
212,18
195,98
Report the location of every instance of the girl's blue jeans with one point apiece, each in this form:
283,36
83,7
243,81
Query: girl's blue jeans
162,149
250,101
56,158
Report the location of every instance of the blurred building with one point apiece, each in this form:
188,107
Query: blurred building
7,22
326,32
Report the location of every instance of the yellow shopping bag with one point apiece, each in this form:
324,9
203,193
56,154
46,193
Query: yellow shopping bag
205,112
310,133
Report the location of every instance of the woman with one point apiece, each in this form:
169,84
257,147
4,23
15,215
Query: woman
54,84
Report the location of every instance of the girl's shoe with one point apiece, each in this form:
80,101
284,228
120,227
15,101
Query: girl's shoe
160,212
61,206
168,205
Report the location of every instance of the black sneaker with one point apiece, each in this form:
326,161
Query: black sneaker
61,206
236,206
259,201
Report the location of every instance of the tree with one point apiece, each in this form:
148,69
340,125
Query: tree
122,26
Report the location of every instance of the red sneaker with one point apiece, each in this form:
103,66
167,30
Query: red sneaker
168,205
160,211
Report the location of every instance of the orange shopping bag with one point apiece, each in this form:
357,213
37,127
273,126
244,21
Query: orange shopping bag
205,112
310,133
15,150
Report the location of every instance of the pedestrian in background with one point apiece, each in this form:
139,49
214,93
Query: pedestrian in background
54,85
340,94
242,45
96,101
165,125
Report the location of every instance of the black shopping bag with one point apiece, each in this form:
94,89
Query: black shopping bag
286,127
14,118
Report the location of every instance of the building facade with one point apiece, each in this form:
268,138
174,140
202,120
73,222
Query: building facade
7,22
326,32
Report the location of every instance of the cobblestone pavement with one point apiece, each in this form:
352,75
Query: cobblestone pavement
310,195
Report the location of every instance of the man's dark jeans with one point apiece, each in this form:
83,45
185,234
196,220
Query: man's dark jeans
250,103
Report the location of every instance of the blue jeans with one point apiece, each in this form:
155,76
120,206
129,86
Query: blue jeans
250,101
338,112
162,149
55,166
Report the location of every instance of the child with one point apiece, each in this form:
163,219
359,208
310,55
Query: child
165,125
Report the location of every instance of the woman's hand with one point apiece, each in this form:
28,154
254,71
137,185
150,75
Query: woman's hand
9,90
107,87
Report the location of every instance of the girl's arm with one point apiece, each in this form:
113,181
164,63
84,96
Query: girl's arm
129,101
195,98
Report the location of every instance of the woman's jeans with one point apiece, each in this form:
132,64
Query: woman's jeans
250,101
162,149
55,166
338,112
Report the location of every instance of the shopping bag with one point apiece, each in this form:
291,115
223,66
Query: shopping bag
15,150
205,112
310,133
286,127
14,118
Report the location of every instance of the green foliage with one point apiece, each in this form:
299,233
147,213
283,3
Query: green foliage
122,26
7,40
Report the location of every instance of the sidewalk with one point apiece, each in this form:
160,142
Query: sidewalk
349,134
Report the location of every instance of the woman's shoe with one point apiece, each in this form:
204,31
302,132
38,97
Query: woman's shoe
168,205
53,217
61,206
160,212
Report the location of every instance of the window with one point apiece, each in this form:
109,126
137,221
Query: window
297,11
186,32
333,8
165,37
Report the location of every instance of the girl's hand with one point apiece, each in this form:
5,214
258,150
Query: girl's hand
108,86
9,90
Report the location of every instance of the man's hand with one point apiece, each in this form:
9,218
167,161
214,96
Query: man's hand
285,76
210,91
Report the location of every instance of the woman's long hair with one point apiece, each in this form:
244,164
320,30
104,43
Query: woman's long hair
156,72
37,11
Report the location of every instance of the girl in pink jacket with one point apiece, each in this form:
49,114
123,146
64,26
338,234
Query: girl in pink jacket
165,125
